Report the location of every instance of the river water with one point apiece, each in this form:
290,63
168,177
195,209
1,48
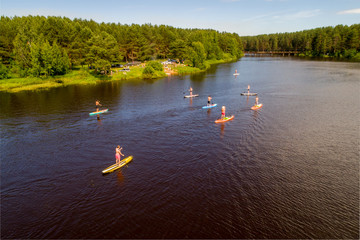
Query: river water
288,170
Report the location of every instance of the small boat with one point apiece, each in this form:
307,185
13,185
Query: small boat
191,96
225,119
256,107
117,166
210,106
99,112
248,94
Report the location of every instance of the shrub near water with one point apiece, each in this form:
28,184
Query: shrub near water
3,72
157,66
153,69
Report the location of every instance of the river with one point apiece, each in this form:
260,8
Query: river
288,170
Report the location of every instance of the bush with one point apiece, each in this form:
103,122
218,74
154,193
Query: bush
157,66
148,70
356,57
3,71
102,65
350,53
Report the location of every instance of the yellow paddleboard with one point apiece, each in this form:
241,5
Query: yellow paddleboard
117,166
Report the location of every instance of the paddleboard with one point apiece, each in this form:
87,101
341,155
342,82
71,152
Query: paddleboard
248,94
117,166
210,106
225,119
99,112
255,107
191,96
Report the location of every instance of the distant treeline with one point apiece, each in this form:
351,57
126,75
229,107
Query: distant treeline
47,46
339,41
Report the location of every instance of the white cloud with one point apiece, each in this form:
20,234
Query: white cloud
297,15
284,15
351,11
304,14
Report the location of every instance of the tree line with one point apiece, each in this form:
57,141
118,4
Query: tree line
48,46
338,41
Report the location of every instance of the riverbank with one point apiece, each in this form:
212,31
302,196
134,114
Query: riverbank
84,76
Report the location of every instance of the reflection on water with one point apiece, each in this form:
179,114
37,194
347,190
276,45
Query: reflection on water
222,128
288,170
255,115
120,178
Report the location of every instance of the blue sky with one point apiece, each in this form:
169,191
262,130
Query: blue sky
244,17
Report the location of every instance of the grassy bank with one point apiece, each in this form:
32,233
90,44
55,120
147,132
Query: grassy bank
182,69
82,76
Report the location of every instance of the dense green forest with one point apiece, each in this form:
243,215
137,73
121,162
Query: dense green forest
48,46
340,41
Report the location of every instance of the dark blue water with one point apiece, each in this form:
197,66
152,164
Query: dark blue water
288,170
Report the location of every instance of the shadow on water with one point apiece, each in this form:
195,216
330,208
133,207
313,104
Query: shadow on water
67,99
199,77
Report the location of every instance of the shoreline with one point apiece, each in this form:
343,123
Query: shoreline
83,76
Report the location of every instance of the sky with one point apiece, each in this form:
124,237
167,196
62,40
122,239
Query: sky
244,17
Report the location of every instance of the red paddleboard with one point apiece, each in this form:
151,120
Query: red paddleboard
225,119
256,107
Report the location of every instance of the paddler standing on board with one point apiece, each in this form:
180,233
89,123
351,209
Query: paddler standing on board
190,90
248,89
223,112
257,101
118,154
97,105
209,100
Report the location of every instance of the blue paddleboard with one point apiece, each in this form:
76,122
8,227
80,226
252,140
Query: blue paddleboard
99,112
211,106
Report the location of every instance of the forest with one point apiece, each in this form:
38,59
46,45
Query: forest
339,41
48,46
41,46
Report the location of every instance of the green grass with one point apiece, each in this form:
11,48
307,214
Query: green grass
181,69
134,73
81,76
186,69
